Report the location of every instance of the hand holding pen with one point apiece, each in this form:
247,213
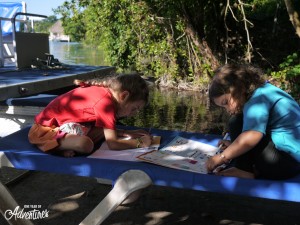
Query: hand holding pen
213,163
224,143
146,138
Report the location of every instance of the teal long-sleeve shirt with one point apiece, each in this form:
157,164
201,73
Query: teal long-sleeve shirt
274,112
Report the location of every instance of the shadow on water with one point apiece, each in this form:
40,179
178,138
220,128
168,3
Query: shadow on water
184,110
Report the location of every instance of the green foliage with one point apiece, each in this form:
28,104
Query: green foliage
43,26
262,9
74,28
184,40
148,36
288,75
72,19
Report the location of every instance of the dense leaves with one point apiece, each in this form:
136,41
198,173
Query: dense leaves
182,41
156,37
44,25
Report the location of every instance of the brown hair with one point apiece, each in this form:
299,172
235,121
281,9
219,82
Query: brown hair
238,80
133,83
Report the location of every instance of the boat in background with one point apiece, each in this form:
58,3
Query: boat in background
28,69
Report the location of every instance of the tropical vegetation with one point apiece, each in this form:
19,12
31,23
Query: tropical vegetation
180,42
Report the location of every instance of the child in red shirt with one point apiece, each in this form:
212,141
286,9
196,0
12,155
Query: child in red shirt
73,122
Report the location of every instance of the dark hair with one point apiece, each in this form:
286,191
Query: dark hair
238,80
133,83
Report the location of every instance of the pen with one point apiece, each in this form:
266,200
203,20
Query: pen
221,145
223,166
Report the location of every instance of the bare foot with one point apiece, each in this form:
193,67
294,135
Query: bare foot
68,153
235,172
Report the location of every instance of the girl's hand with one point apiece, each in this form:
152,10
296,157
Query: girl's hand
146,140
224,144
213,162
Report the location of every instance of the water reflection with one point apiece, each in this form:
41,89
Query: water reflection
186,111
167,109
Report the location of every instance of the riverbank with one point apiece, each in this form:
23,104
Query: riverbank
180,86
203,88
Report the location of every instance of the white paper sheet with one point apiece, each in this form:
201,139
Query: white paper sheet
189,148
126,155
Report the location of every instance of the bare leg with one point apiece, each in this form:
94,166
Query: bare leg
71,144
235,172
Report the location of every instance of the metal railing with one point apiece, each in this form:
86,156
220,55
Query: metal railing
4,45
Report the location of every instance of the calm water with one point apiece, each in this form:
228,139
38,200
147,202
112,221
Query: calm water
167,109
187,111
75,53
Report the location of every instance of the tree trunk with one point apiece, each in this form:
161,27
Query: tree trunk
203,47
294,17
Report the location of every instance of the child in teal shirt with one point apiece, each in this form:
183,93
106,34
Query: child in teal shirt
264,127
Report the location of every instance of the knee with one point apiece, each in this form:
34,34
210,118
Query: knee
84,145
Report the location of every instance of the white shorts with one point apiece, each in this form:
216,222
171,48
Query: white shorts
75,128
